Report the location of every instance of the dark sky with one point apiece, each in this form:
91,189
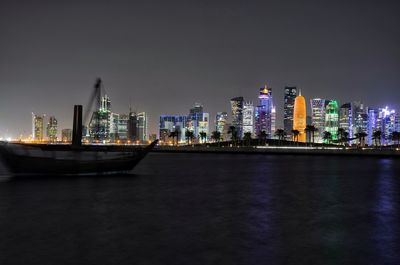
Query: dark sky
164,56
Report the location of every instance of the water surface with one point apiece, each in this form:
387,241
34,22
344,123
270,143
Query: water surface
208,209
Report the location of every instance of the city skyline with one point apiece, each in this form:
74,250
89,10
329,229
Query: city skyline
152,61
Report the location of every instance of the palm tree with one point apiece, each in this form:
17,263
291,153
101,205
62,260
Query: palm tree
234,134
262,137
247,138
340,132
203,136
295,134
216,136
345,137
377,135
327,137
189,136
310,130
361,137
281,135
396,137
172,135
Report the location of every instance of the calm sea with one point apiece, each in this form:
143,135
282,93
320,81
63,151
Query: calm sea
208,209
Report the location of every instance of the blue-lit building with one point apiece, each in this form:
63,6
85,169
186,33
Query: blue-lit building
288,108
198,121
172,123
237,114
263,116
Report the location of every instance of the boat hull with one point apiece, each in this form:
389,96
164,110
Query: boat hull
62,159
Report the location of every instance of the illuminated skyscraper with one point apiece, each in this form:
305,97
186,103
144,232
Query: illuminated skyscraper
299,117
318,117
132,127
346,118
248,118
173,123
263,117
122,127
114,117
374,124
142,126
66,135
52,129
290,96
332,118
273,120
388,124
237,114
220,121
198,121
99,126
360,123
37,127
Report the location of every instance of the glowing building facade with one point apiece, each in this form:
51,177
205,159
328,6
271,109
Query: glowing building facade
220,121
248,118
332,118
237,114
142,126
263,116
66,135
52,129
346,118
37,127
99,126
172,123
300,117
288,108
318,117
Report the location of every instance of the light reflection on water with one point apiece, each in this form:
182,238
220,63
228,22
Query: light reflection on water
386,215
210,209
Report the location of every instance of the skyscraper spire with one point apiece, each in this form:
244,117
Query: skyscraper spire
299,91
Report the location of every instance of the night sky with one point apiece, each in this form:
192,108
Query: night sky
164,56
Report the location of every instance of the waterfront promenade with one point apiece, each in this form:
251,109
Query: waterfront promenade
283,150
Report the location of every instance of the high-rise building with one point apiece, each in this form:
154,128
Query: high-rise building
332,118
318,117
142,126
52,129
388,125
248,118
263,117
122,127
99,126
374,124
132,127
37,127
220,121
237,114
288,108
346,118
173,123
66,135
273,119
114,118
360,119
299,117
198,121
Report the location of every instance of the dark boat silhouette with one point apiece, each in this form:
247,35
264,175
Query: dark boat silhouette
75,158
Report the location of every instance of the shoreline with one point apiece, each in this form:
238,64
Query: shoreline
263,150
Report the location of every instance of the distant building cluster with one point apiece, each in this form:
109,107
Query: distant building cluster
38,128
105,126
328,121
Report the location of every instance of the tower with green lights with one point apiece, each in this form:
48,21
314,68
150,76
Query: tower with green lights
332,119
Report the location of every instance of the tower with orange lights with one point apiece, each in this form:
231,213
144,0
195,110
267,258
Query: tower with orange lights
300,116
